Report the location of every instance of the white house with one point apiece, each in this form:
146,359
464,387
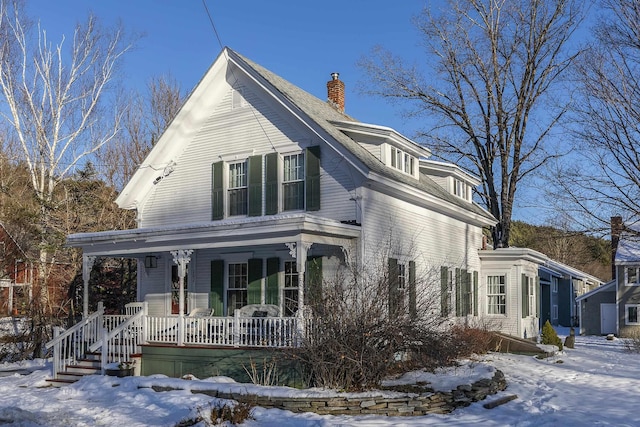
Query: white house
258,190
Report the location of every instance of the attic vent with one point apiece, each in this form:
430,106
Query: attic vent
237,99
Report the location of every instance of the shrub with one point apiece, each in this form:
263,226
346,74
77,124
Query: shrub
234,414
550,337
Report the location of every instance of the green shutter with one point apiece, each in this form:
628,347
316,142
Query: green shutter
254,288
271,183
312,178
459,296
444,291
216,296
525,297
255,186
217,191
393,286
413,309
313,282
475,293
272,291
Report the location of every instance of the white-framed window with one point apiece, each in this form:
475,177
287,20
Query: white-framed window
402,277
460,189
554,312
237,283
532,296
554,285
293,182
631,314
237,188
632,276
496,295
402,161
290,291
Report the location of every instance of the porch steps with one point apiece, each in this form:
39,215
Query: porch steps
89,365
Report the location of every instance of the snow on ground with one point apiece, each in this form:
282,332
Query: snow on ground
595,384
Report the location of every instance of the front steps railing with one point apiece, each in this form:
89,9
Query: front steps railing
117,337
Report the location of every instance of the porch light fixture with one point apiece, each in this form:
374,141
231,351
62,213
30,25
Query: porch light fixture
150,261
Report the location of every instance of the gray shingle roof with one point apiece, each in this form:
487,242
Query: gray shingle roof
322,113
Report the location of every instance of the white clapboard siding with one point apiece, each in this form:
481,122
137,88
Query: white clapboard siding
429,237
184,196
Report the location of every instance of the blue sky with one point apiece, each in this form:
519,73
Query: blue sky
302,41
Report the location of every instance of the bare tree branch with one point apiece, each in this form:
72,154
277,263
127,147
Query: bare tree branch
493,64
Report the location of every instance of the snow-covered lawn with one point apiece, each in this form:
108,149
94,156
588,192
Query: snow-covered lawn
595,384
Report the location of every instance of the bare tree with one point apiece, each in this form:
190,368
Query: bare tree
491,69
142,125
603,178
56,99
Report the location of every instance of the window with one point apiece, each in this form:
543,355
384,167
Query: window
632,276
238,188
402,277
554,312
496,295
631,317
460,189
237,287
554,285
290,288
532,296
293,182
402,161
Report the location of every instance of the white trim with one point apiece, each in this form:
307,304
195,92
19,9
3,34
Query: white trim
626,314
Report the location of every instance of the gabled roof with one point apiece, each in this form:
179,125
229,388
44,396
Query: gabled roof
558,268
628,250
319,116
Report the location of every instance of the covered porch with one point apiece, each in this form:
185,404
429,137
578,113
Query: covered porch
234,283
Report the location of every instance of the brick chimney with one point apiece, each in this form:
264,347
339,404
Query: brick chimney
335,92
616,229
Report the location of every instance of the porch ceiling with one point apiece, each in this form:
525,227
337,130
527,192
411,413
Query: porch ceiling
278,229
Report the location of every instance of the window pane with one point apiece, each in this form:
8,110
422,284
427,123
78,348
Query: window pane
293,196
237,287
632,314
632,275
496,295
290,288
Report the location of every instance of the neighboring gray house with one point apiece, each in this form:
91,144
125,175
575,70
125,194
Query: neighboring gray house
615,307
560,285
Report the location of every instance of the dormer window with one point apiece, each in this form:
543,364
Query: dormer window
460,189
402,161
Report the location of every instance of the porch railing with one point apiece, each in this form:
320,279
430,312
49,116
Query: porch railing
71,344
225,331
119,343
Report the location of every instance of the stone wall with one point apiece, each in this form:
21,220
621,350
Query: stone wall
410,405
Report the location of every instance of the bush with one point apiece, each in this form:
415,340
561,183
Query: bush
220,414
550,337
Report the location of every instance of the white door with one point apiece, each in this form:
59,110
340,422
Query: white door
608,316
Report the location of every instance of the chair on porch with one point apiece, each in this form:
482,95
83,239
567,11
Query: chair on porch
194,327
256,329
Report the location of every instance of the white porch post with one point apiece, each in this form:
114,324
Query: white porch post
299,251
181,257
87,265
